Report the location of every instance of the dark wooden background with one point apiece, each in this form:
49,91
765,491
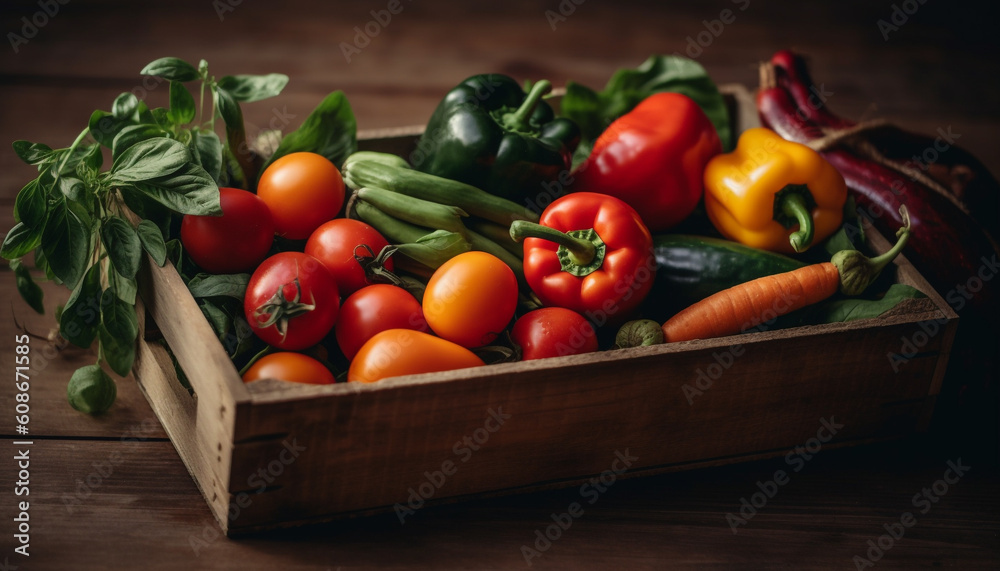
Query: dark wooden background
938,70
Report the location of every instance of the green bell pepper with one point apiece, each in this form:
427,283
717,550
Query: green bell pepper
488,133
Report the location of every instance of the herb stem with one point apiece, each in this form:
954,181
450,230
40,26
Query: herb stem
69,152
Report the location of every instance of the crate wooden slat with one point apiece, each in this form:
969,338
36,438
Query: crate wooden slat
273,454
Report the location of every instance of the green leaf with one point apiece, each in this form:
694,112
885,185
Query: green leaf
82,313
32,153
182,107
250,88
118,317
850,309
150,159
206,149
66,241
94,158
124,288
175,252
73,189
189,190
594,111
174,69
330,130
42,265
104,127
91,390
133,134
152,241
30,205
117,353
219,319
122,244
20,240
146,208
228,108
27,287
125,106
219,285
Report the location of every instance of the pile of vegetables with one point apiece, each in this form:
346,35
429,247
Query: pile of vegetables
515,230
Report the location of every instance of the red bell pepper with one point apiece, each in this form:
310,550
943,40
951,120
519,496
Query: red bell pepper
590,253
653,158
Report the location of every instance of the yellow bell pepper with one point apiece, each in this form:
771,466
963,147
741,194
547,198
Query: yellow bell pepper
774,194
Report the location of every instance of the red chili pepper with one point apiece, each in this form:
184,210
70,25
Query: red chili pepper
653,158
590,253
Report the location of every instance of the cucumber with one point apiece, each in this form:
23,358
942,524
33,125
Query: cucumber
690,268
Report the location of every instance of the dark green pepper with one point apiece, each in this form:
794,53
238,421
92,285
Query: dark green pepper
690,268
488,133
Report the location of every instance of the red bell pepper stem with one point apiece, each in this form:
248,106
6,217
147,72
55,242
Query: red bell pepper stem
581,251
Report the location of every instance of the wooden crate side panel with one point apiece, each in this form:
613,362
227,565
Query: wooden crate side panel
572,420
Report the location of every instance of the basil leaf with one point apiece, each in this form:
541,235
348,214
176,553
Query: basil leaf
149,159
219,319
118,317
104,127
122,244
250,88
594,111
228,108
206,149
66,241
72,188
182,107
174,69
117,353
94,158
851,309
133,134
219,285
124,106
175,252
330,130
30,205
152,241
27,287
124,288
20,241
43,266
189,190
32,153
81,315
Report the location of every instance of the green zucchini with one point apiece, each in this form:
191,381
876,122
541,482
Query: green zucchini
690,268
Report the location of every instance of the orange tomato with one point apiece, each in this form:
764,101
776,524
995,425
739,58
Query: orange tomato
397,352
302,190
470,299
291,367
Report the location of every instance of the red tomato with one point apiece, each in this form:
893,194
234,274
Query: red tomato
303,190
291,301
397,352
291,367
232,243
470,299
374,309
553,332
335,244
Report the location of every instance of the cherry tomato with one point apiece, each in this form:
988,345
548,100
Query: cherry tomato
397,352
470,299
291,367
291,301
374,309
303,190
335,244
232,243
553,332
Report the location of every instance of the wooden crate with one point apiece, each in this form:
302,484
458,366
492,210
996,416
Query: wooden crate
274,454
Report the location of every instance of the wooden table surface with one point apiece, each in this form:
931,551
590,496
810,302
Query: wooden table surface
110,492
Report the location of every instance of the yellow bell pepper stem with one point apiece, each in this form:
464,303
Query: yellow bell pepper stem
793,205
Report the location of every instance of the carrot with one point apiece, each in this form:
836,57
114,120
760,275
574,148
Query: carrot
746,305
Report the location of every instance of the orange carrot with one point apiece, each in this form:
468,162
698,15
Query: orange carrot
746,305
